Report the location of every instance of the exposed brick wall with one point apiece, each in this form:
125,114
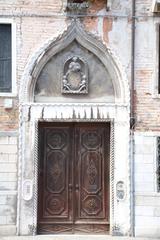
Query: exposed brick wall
146,105
8,118
30,6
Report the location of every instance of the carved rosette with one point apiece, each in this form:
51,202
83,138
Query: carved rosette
75,76
92,205
55,205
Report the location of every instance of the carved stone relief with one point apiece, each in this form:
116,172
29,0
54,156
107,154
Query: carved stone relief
120,190
75,78
77,6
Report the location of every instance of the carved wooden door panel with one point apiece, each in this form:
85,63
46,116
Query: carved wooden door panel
92,178
73,178
55,212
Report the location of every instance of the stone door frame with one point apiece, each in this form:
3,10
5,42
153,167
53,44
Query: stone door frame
28,158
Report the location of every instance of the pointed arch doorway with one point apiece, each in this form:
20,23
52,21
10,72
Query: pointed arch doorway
100,95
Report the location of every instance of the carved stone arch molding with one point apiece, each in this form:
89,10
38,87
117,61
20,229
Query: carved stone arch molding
75,32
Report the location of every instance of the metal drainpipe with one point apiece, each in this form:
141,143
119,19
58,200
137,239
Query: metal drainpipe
132,118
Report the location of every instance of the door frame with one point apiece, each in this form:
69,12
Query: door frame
111,167
30,115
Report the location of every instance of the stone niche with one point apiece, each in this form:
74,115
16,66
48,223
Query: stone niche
92,73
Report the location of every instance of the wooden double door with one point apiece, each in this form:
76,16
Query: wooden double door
73,182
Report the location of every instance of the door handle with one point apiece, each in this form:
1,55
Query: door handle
70,187
77,187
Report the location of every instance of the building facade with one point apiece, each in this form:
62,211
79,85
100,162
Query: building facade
79,117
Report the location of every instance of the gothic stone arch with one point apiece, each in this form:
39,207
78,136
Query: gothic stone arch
74,32
114,109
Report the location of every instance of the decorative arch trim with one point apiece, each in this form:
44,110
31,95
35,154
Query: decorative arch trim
75,31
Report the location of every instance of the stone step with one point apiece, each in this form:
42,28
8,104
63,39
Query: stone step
73,237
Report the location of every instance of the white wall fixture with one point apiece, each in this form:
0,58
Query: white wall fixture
120,190
27,189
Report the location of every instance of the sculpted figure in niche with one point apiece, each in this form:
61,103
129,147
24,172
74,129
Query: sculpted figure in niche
74,78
